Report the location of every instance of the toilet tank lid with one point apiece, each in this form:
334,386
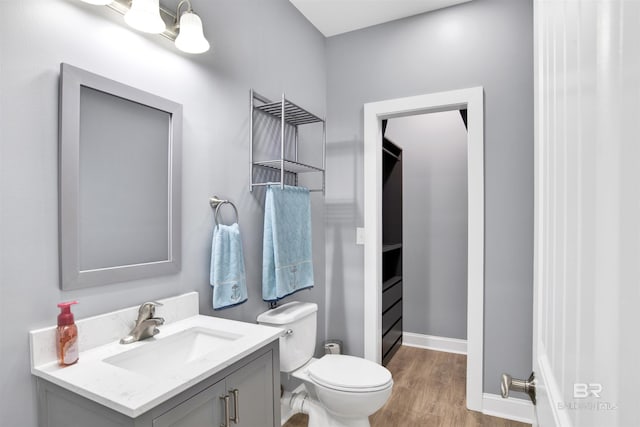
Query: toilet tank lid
288,313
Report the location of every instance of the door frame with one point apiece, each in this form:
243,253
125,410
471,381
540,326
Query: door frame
471,99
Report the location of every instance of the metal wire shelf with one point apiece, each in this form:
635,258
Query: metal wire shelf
289,113
289,166
294,115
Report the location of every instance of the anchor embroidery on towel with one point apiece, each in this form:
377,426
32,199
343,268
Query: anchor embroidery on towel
235,292
294,276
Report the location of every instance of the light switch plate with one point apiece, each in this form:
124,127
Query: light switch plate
359,235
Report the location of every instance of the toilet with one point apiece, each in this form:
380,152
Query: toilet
342,391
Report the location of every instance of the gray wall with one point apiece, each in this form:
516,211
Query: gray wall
247,39
484,42
434,255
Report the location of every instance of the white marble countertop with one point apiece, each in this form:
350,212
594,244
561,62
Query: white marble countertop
132,393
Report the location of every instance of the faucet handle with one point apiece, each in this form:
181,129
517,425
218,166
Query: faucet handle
148,309
153,303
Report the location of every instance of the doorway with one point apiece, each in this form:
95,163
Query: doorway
374,113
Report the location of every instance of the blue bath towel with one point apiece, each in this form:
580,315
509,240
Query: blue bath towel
286,252
227,267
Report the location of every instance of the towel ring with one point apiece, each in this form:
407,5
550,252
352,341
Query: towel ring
217,203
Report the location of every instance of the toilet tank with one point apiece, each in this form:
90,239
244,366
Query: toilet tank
298,345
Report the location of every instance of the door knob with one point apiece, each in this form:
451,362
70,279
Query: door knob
525,386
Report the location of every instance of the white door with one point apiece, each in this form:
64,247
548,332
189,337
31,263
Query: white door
586,354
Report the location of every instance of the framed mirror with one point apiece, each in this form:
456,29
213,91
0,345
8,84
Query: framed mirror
120,181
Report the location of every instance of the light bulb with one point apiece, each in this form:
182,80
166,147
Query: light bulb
191,37
144,16
98,2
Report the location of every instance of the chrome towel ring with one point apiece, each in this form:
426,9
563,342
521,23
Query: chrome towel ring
217,203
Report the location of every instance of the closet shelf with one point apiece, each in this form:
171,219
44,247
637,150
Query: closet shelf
390,282
390,153
388,248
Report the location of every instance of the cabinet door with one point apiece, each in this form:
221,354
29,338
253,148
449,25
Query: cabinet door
254,385
205,409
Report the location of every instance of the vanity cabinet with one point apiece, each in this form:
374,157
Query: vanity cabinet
251,387
253,382
239,400
203,409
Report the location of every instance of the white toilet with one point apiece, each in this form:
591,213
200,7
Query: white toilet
348,388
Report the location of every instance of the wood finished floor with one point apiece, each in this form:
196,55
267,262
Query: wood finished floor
429,390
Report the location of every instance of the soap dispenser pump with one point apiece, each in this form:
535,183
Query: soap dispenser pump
66,335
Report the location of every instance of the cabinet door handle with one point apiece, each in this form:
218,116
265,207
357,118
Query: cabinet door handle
236,406
226,422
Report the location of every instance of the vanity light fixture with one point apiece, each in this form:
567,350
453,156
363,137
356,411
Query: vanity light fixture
184,27
144,15
190,34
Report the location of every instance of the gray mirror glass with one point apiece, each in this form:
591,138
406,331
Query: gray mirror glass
119,181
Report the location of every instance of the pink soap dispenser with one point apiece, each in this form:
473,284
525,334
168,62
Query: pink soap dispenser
66,335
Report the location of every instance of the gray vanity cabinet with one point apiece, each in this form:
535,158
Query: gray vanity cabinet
252,383
256,401
203,409
246,391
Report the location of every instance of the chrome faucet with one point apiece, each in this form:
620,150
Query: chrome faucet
145,325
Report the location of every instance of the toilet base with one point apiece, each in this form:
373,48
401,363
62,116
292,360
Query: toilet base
301,402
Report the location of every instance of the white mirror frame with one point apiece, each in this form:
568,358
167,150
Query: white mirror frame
71,276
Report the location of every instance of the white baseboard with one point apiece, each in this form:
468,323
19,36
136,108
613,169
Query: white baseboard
512,408
449,345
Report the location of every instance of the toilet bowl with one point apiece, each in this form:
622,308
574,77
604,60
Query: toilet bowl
342,390
348,387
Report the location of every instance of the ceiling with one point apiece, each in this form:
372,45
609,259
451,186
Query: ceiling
333,17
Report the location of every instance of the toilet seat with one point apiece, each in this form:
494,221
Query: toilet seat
349,374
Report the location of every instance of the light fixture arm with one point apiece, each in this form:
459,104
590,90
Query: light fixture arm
178,14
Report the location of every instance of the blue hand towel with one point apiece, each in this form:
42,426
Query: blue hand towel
227,267
286,252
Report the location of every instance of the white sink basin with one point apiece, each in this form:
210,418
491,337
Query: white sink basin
173,352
